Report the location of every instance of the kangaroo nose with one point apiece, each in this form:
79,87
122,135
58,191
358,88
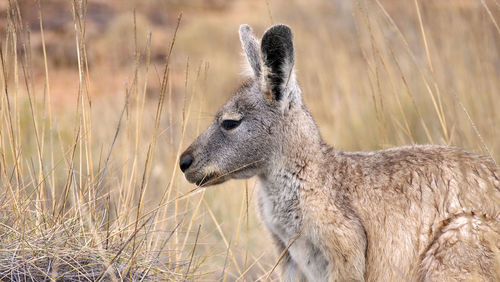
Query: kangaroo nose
186,161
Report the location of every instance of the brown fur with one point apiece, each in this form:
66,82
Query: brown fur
415,213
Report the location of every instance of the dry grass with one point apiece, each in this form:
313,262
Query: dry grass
98,99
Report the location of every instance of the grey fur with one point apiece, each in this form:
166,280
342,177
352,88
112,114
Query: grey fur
250,48
414,213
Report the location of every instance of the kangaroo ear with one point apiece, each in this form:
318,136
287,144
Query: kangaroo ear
251,48
277,56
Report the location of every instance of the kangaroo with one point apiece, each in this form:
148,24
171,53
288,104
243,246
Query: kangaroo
413,213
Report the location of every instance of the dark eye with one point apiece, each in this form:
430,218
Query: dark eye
229,124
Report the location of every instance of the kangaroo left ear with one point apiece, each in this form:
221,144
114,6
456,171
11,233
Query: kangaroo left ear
251,48
277,56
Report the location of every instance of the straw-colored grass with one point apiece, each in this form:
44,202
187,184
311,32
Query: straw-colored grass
99,98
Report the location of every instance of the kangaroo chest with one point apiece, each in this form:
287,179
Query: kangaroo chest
280,211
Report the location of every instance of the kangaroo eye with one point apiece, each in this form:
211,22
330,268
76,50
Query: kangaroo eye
229,124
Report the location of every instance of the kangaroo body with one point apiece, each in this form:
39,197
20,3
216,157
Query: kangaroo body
403,214
416,213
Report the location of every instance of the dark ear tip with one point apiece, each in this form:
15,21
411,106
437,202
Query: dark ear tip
278,30
277,43
278,36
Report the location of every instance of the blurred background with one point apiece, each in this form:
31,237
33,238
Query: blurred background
100,97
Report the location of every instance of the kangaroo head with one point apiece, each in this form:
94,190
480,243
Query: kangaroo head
250,129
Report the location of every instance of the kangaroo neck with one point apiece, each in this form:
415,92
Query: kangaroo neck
297,163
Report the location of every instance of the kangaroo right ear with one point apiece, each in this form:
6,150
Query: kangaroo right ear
277,55
251,48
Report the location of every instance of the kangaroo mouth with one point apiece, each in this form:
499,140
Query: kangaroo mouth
211,179
208,179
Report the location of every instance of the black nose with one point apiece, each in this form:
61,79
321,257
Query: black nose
186,161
